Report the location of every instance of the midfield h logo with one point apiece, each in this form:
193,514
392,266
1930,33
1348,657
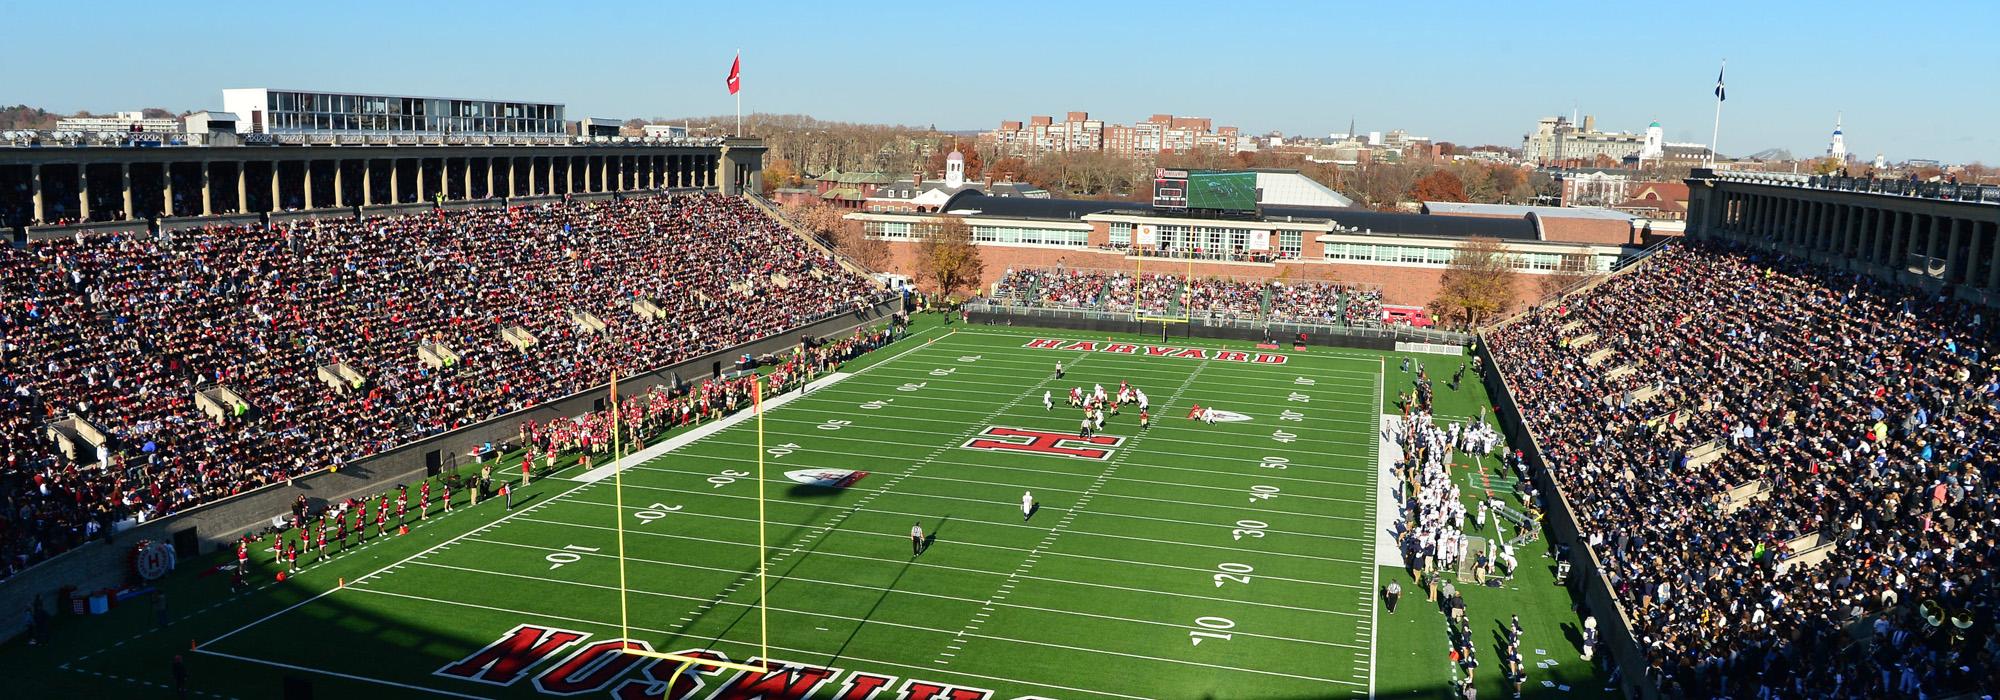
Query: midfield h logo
1000,438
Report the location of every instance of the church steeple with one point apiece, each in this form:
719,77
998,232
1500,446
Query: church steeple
1837,147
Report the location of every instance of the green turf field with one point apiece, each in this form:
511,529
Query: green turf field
1187,561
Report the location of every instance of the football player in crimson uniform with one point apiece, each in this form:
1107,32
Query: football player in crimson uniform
424,501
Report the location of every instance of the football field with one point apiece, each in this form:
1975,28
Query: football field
1184,560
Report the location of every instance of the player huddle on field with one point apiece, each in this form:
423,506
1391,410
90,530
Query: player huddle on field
1097,404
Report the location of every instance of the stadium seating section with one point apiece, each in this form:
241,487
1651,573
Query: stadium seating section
1785,470
338,339
1324,303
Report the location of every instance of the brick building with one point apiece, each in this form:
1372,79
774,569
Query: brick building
1404,254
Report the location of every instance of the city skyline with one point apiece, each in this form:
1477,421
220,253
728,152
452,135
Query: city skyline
1299,68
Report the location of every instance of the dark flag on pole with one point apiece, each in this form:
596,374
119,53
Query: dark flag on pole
1720,93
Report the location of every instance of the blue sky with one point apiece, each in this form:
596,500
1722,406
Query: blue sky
1913,83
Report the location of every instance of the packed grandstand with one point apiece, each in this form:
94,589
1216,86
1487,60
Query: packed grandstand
1784,470
122,330
1315,302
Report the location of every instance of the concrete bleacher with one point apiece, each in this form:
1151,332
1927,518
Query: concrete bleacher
341,377
518,337
78,439
1742,495
436,355
220,402
588,322
646,308
1808,551
1621,371
1583,340
1705,453
781,281
1596,358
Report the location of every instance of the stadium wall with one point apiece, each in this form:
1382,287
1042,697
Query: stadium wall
1586,576
105,563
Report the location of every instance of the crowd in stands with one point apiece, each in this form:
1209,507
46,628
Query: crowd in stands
121,330
1326,303
1864,412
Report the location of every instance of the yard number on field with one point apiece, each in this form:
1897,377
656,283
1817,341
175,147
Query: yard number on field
1304,381
1300,398
783,450
1232,571
943,371
968,358
1274,463
556,560
1259,492
1212,623
1284,437
728,476
835,424
912,386
1248,528
655,512
876,405
1291,416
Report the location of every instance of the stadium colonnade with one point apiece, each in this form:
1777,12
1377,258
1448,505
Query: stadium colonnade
44,186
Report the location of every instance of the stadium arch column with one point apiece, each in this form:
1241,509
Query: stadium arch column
1954,267
83,190
339,191
35,199
1992,252
306,182
125,190
206,166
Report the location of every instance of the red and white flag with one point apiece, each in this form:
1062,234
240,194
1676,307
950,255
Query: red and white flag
735,75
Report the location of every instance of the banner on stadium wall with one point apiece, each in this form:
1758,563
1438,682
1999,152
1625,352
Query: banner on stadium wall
1260,240
1146,234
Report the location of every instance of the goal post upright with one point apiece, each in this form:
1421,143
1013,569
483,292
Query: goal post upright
763,556
618,497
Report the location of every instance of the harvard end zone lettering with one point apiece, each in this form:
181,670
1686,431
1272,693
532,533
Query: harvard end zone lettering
1071,445
1261,358
506,660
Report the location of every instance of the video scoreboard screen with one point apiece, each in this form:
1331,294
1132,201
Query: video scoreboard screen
1170,189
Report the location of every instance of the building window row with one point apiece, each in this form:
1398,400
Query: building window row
1441,256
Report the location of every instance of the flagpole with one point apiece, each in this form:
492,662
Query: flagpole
739,94
1717,129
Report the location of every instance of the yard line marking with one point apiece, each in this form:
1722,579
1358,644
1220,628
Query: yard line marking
1000,573
988,467
832,528
885,623
801,504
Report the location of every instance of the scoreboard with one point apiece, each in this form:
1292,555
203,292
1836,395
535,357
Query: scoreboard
1170,189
